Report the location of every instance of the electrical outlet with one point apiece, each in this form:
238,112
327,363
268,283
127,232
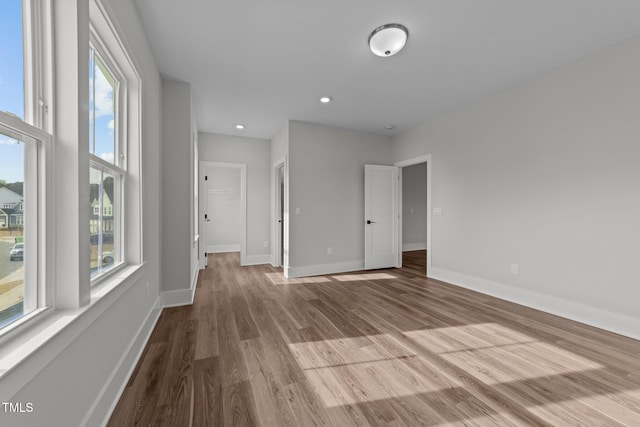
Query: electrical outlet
147,290
266,244
514,269
297,211
329,250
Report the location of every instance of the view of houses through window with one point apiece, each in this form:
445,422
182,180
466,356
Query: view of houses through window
11,234
105,173
101,222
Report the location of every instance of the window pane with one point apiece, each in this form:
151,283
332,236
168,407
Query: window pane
102,223
101,109
12,245
11,64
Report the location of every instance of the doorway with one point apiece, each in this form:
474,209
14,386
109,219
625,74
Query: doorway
415,213
278,256
224,216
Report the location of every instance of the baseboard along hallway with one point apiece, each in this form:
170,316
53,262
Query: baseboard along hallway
383,347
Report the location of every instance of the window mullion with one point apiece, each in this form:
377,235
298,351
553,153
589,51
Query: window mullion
101,163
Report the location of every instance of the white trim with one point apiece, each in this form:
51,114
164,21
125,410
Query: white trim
108,397
217,249
243,202
257,259
275,199
178,298
610,321
410,162
414,246
33,350
319,269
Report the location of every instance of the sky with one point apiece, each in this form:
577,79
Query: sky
12,95
11,87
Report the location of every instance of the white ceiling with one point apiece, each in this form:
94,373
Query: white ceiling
262,63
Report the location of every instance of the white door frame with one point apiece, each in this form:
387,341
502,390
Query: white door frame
409,162
204,165
276,250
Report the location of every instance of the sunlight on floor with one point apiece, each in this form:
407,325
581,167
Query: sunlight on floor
621,406
495,354
366,276
279,279
343,371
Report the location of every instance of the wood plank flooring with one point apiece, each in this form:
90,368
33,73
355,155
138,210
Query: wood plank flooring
375,348
415,262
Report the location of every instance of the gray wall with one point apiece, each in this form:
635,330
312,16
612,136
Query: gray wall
256,154
545,176
280,145
414,207
326,182
177,187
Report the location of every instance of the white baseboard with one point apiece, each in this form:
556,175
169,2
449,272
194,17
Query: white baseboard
217,249
414,246
610,321
107,399
256,259
178,298
315,270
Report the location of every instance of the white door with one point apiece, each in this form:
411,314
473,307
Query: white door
381,216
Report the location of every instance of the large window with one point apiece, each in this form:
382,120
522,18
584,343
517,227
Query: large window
38,221
107,174
22,148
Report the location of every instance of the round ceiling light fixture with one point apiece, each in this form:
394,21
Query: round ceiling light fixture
239,126
325,99
389,39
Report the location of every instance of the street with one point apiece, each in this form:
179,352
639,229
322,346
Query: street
7,266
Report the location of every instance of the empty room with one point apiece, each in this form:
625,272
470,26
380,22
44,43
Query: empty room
319,213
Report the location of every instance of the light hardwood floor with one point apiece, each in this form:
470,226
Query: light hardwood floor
384,347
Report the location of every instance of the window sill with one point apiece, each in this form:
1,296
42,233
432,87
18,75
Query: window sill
63,326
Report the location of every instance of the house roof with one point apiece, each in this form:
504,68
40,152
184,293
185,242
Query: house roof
9,196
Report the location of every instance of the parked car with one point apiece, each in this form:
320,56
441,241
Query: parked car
17,252
106,238
107,258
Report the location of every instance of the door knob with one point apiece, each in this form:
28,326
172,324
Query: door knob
370,222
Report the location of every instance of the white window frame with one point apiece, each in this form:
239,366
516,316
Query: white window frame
127,210
118,168
34,133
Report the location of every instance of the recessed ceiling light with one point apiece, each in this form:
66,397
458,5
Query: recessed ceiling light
239,126
390,127
325,99
389,39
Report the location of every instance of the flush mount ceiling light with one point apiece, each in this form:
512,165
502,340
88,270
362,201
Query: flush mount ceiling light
389,39
325,99
239,126
389,127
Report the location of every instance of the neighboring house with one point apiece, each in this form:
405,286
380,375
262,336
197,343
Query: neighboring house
107,210
11,209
